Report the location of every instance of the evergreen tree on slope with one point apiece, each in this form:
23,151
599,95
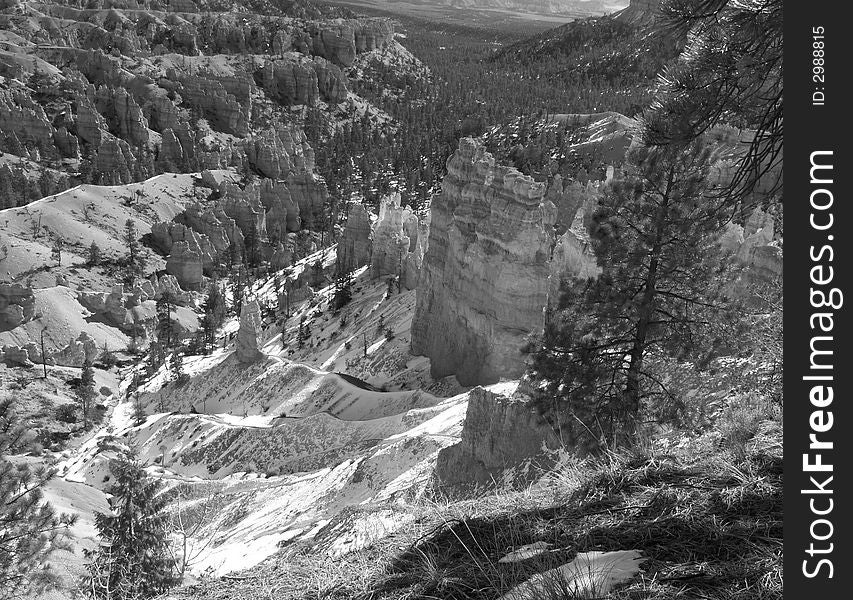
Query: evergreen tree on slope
132,561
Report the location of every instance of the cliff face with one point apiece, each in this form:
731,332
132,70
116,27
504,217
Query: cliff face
355,244
484,280
502,432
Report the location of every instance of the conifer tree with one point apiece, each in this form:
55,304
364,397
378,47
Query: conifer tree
132,560
139,415
30,529
135,260
94,257
654,235
213,315
729,73
238,291
56,251
165,305
176,368
343,290
85,391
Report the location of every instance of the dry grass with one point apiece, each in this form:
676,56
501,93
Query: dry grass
709,523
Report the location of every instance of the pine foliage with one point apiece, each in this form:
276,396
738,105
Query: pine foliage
132,561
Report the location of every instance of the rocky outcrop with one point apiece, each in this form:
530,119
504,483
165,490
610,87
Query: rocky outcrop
755,246
355,243
310,194
123,115
399,243
109,306
391,243
185,263
77,352
16,356
279,154
639,12
164,236
212,223
17,305
113,161
340,40
501,434
249,334
23,118
415,258
484,280
293,81
282,210
573,256
216,102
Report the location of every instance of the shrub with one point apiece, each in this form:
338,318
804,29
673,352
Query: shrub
67,413
741,420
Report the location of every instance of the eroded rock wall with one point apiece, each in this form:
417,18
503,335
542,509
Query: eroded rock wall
501,434
484,280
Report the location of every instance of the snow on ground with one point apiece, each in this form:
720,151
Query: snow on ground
85,214
323,440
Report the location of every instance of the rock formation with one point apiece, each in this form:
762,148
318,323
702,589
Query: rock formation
355,243
77,352
17,305
185,263
390,242
502,431
639,12
484,280
755,246
249,334
573,256
134,90
109,306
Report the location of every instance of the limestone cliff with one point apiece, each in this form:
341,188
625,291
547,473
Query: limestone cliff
484,280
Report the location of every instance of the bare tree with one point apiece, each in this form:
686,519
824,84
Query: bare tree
192,527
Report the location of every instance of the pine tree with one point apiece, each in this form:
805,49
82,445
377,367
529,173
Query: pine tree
164,307
30,529
654,235
343,290
94,257
176,368
156,354
213,315
729,73
132,560
139,415
238,291
135,260
303,334
85,390
56,251
252,244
